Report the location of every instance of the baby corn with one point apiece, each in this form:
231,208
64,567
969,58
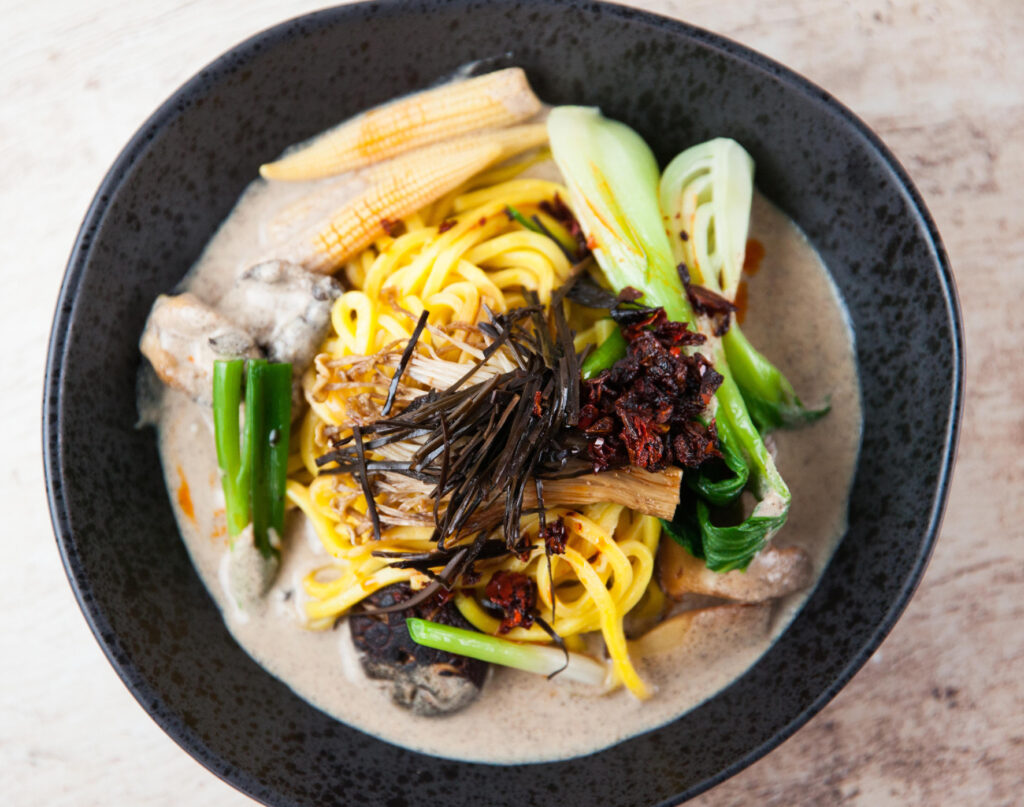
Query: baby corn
330,196
489,101
401,188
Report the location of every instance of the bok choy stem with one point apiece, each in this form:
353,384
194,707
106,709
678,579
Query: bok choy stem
613,182
706,194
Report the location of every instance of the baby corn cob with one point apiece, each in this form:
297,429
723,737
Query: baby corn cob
489,101
326,198
402,187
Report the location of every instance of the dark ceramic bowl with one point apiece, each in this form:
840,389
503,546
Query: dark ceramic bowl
181,174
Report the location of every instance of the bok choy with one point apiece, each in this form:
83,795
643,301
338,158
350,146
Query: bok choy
706,194
613,182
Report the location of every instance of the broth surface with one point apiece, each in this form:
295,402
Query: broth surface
795,318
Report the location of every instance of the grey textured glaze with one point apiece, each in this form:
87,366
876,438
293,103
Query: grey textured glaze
180,176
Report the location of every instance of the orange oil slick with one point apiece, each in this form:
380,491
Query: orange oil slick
752,257
741,302
185,497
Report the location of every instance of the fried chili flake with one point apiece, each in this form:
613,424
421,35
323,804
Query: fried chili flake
629,295
707,302
684,274
645,410
554,536
391,227
515,594
445,225
560,212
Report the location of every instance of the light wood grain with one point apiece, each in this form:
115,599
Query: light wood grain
936,717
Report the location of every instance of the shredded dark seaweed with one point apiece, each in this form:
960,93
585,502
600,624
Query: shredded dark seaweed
542,524
479,445
404,362
556,638
586,292
426,560
364,481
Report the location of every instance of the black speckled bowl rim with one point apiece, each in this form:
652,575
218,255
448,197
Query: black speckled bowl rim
142,689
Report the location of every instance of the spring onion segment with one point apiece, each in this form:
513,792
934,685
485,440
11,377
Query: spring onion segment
706,194
534,658
613,183
254,469
608,352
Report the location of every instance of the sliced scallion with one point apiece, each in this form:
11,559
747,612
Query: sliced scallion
534,658
254,468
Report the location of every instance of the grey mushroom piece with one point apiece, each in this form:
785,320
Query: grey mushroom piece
285,309
427,681
182,338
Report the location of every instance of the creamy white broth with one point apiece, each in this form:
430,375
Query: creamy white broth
795,318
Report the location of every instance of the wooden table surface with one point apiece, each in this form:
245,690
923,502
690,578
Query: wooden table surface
936,716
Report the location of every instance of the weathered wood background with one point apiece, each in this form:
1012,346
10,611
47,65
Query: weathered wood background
936,717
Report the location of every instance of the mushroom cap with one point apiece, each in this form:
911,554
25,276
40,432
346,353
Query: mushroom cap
427,681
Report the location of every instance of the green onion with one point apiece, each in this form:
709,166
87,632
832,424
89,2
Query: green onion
253,477
613,182
539,659
534,224
608,352
254,442
227,387
515,215
278,381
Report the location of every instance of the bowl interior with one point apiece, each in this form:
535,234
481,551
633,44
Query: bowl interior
181,175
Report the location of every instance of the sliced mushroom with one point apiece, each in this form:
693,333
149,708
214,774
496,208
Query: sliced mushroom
182,338
286,309
685,631
654,494
772,573
427,681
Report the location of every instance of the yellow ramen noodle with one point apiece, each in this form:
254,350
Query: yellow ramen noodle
458,259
